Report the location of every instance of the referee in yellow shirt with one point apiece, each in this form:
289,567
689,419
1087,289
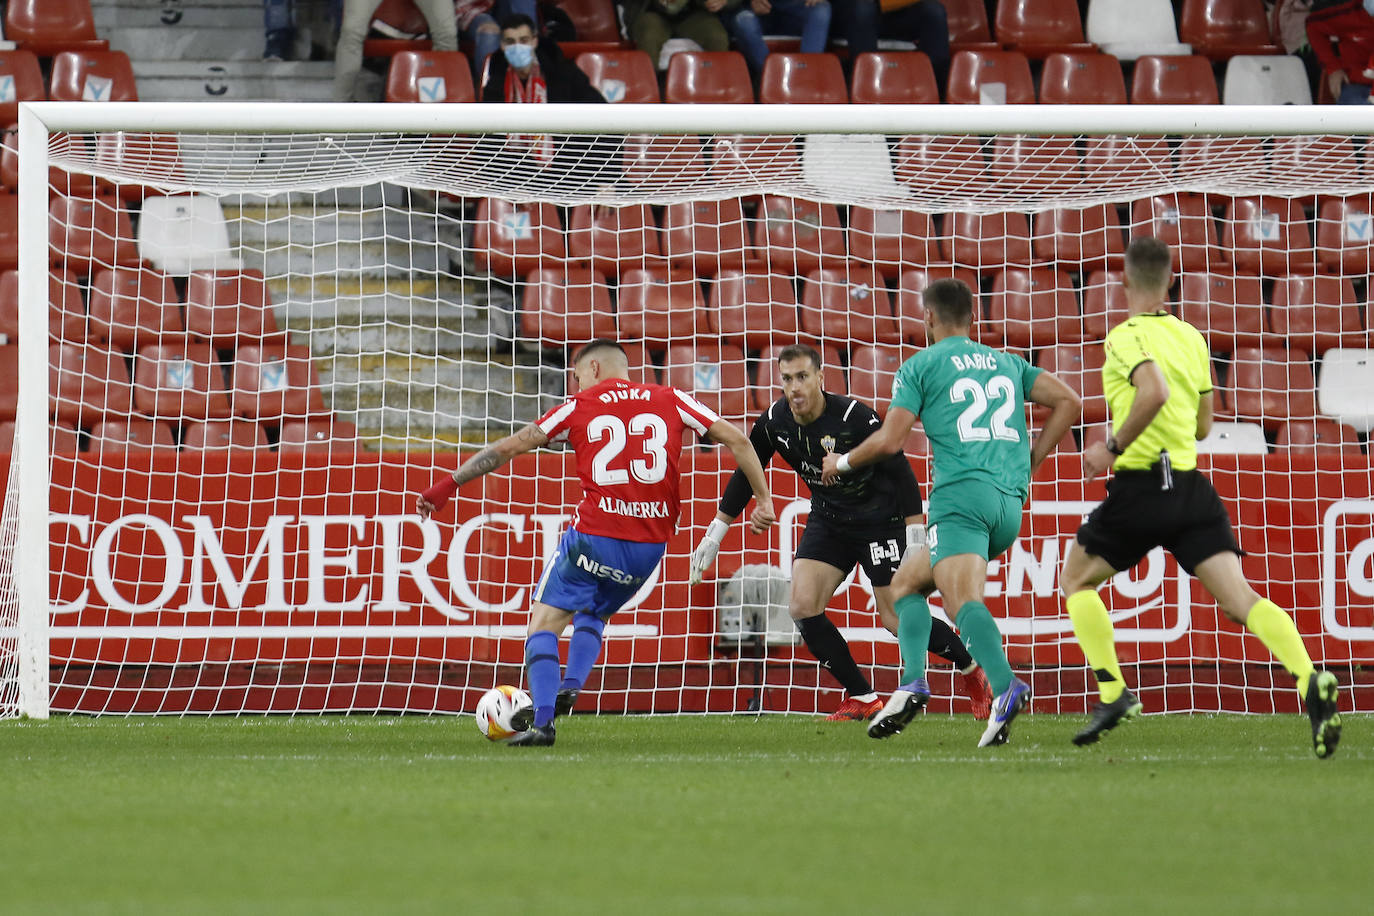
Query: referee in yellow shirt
1159,388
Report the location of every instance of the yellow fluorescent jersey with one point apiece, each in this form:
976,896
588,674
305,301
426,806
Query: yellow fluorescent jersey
1180,351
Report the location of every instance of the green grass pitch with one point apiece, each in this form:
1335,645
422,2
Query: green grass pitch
1169,814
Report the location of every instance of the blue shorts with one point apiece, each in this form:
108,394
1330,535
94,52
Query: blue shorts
596,574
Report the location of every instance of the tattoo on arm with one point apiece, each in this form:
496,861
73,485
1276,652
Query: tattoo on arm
484,461
493,456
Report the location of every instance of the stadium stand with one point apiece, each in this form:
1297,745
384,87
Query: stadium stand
987,241
180,381
893,78
719,77
752,309
871,371
1316,312
1130,29
566,307
657,306
131,307
214,435
891,239
796,236
705,236
1220,29
1269,385
272,382
1039,28
1320,436
1274,79
968,25
847,305
621,76
87,382
1228,437
1080,240
92,76
1183,221
429,76
1345,234
66,310
48,27
63,437
612,240
184,232
1031,308
317,434
795,78
1082,78
713,373
1080,366
990,78
511,239
1346,387
1267,235
1174,80
9,231
130,434
91,233
20,73
649,161
911,310
230,306
1228,308
1104,304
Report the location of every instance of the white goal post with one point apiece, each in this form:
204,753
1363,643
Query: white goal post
274,164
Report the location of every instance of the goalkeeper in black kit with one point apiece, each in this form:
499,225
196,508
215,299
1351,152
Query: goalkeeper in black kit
868,518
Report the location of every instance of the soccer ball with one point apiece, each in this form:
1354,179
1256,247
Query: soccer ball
496,709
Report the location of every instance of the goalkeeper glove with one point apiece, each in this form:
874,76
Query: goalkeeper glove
438,494
705,554
915,538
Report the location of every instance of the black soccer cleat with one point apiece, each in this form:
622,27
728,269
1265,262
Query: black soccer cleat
534,736
563,703
1107,716
1324,713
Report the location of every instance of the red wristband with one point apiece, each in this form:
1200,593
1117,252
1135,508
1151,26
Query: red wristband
438,494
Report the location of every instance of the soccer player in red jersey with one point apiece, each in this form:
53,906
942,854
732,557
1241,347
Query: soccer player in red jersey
627,439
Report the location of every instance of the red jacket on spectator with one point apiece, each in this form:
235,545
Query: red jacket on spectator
1342,37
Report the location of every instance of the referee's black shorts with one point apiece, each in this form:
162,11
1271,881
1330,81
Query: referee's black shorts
878,548
1188,520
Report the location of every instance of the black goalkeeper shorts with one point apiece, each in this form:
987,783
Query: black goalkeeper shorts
1137,516
877,548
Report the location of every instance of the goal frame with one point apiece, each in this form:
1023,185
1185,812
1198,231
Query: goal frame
38,120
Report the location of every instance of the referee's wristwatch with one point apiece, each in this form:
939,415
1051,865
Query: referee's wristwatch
1114,447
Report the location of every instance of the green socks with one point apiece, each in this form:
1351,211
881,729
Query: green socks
979,632
913,635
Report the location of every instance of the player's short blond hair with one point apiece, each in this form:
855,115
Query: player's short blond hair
1149,264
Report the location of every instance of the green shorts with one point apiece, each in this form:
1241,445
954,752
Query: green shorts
970,516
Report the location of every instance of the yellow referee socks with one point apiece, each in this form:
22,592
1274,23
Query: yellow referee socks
1279,634
1093,629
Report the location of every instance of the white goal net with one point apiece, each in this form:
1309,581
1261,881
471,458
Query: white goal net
270,327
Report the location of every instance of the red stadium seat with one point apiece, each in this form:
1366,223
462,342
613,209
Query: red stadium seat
968,23
66,311
1080,367
1132,158
87,234
659,306
1271,385
768,386
1183,221
183,380
714,374
892,240
20,81
122,435
9,380
661,161
1224,28
314,435
621,76
988,241
46,27
613,239
1268,235
848,304
753,310
1315,312
1319,436
1227,308
893,78
73,183
1211,155
1034,163
214,435
911,312
1081,239
1345,234
796,236
594,20
566,307
87,382
802,79
990,77
228,306
1082,78
429,76
131,307
1172,79
401,18
708,77
513,239
1104,304
745,157
1038,28
705,236
273,382
9,231
92,76
62,437
871,371
1031,307
932,161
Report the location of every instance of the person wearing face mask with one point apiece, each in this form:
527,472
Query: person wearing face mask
354,26
1342,37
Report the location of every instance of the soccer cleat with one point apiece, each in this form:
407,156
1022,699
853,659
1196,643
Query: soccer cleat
1008,704
1324,713
901,708
563,703
534,736
979,694
1107,716
855,710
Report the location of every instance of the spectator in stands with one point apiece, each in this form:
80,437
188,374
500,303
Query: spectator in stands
922,22
748,22
476,21
1342,37
279,28
1288,25
353,29
530,70
651,23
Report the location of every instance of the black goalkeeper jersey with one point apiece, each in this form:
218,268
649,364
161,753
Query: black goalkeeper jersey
880,493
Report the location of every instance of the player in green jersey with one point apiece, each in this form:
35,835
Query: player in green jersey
1159,390
971,402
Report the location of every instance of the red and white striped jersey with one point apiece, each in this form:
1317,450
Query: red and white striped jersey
628,441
